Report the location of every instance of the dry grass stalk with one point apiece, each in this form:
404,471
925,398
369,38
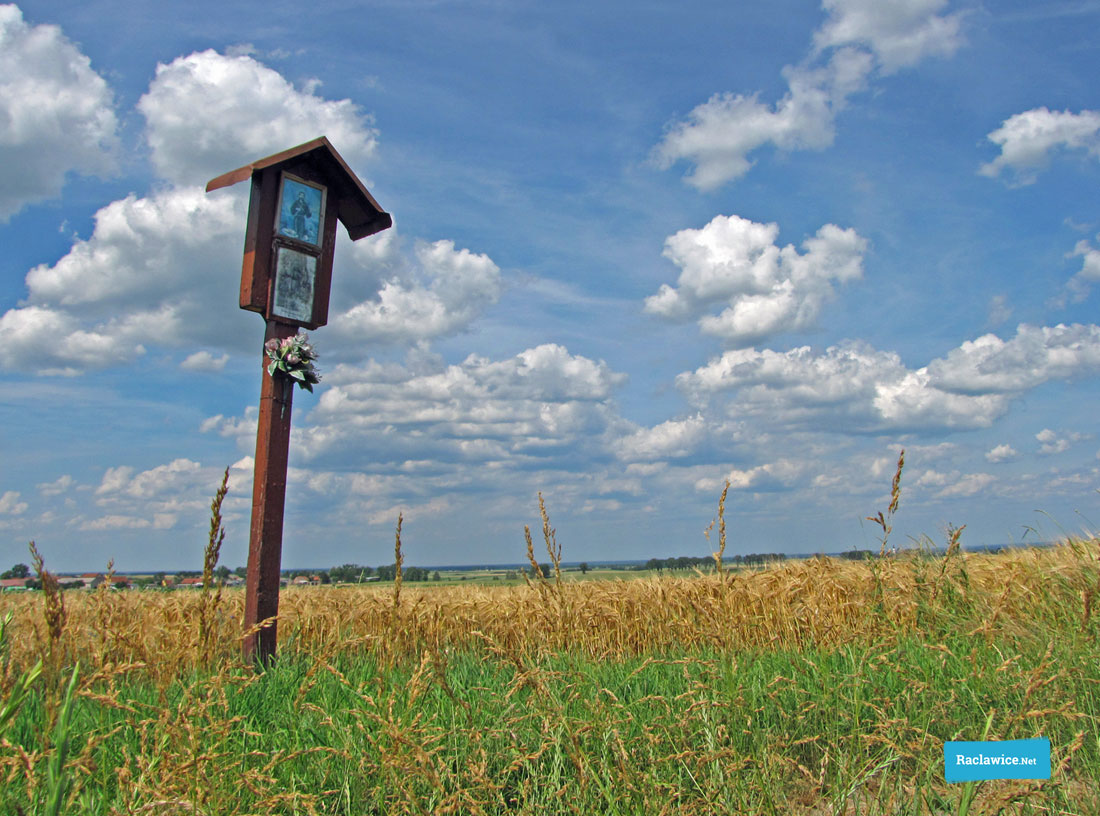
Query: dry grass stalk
951,556
398,560
553,548
535,568
217,534
53,605
209,603
885,520
1089,596
953,534
104,611
717,555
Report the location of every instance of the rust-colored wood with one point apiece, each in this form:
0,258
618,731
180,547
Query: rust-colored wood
350,203
256,269
323,286
265,545
261,240
360,214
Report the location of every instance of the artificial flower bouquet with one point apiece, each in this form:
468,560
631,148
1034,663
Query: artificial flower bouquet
294,357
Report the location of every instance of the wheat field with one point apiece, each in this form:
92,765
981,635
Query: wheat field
821,602
819,686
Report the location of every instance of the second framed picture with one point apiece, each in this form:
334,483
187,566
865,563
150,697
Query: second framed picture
295,285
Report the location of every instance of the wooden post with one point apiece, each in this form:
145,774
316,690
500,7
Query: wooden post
285,276
265,544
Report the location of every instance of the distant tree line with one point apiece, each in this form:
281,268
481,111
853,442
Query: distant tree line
857,555
350,574
18,571
347,573
690,562
356,574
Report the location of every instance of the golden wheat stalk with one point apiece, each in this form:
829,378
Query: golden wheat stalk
217,534
550,537
398,560
885,520
721,529
54,603
535,568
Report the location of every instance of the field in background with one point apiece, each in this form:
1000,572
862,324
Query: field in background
815,687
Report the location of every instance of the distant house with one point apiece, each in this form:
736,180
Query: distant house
194,583
13,583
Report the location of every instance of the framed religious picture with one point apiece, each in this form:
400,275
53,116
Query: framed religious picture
301,210
295,285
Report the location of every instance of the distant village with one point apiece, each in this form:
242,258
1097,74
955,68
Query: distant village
20,577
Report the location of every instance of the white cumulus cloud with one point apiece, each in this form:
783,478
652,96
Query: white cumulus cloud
1001,453
1037,354
56,487
899,32
1028,139
719,135
56,113
970,484
115,521
439,291
535,404
145,250
1080,284
208,113
850,389
853,388
1051,442
204,361
162,270
670,439
771,476
11,505
54,342
157,270
765,289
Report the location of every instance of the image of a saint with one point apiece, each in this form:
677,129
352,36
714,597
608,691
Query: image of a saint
301,210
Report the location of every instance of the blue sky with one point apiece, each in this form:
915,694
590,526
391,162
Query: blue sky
639,249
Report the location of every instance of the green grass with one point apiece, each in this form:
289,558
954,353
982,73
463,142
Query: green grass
806,731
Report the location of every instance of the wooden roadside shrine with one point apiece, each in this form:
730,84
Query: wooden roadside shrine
297,198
